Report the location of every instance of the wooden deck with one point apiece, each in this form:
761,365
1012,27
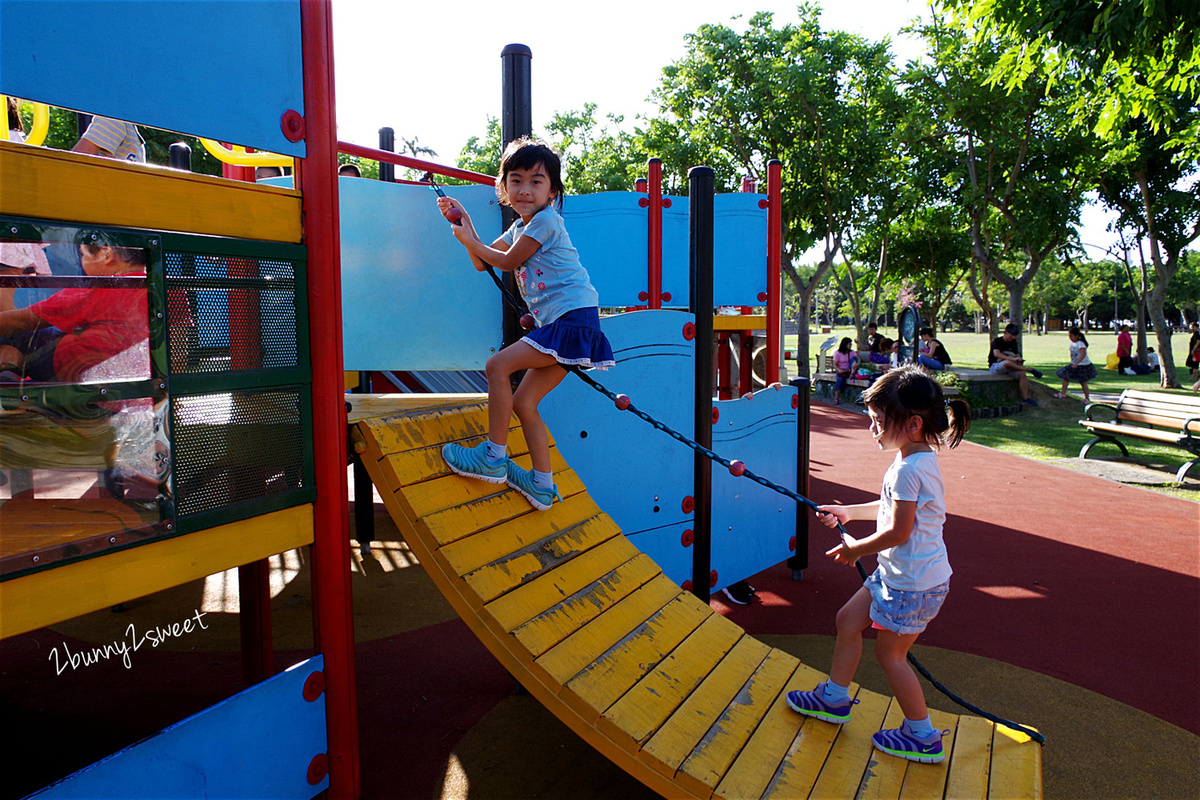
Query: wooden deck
669,690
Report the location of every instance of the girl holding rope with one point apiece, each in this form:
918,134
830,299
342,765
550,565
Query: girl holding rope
562,302
909,415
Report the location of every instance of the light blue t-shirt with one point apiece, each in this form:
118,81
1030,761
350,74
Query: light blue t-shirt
921,562
552,281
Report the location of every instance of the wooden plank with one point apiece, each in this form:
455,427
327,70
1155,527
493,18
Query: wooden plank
459,522
670,746
539,558
884,776
573,612
970,761
405,467
43,183
716,751
1016,766
645,707
590,559
449,494
798,773
606,679
851,751
569,657
44,598
382,406
929,780
428,427
754,767
469,554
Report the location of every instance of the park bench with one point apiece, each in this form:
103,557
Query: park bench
1158,417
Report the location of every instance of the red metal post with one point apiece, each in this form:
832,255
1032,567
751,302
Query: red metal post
774,269
654,234
332,601
724,367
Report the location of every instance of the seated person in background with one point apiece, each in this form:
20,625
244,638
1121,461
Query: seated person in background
112,138
844,361
882,355
1004,358
349,171
932,355
1152,359
59,338
874,340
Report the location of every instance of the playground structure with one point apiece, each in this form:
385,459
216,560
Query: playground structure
240,395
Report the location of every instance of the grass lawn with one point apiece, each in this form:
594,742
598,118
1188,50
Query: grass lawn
1052,429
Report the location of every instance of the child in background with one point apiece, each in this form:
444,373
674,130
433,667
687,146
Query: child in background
563,303
910,415
844,360
61,337
1080,369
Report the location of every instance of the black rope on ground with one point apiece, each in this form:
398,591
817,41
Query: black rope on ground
738,469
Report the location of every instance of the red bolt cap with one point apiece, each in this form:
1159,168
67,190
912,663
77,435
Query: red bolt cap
712,579
622,402
688,538
292,125
737,469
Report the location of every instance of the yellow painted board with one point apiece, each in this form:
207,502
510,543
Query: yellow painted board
446,494
459,522
929,780
741,322
884,775
1016,766
970,760
670,746
543,559
469,554
570,656
607,678
428,427
527,602
45,598
801,767
573,612
644,708
851,751
716,751
758,761
59,185
383,406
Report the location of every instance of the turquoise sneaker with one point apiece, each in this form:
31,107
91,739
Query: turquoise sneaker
472,462
522,481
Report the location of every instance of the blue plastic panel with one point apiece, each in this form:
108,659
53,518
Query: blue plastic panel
410,298
639,476
739,250
609,231
257,743
751,524
221,69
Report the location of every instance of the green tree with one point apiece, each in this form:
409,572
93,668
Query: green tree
598,156
811,99
482,154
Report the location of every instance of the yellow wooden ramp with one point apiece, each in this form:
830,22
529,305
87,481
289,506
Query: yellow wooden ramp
673,693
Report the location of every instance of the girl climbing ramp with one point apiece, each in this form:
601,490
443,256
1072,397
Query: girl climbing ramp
562,302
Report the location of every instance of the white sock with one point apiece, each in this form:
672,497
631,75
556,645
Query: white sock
543,480
922,727
496,452
835,691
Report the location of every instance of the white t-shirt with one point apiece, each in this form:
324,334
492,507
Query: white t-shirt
921,562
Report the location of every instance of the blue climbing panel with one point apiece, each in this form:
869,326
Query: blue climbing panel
258,743
233,87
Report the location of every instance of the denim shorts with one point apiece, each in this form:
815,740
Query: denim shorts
903,612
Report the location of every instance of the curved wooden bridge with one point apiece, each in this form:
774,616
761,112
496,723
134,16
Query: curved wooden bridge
669,690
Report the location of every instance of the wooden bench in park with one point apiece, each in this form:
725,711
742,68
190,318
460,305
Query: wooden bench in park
1158,417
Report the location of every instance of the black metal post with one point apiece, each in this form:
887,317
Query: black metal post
181,156
700,267
387,141
799,561
516,120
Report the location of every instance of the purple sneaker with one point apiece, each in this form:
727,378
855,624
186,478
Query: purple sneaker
903,743
814,704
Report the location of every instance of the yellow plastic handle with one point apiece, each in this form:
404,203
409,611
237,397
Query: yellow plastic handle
41,123
238,156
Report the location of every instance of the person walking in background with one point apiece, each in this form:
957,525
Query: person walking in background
909,415
1081,369
1193,356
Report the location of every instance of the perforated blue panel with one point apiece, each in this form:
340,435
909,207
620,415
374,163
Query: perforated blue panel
258,743
221,69
637,475
410,298
751,524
